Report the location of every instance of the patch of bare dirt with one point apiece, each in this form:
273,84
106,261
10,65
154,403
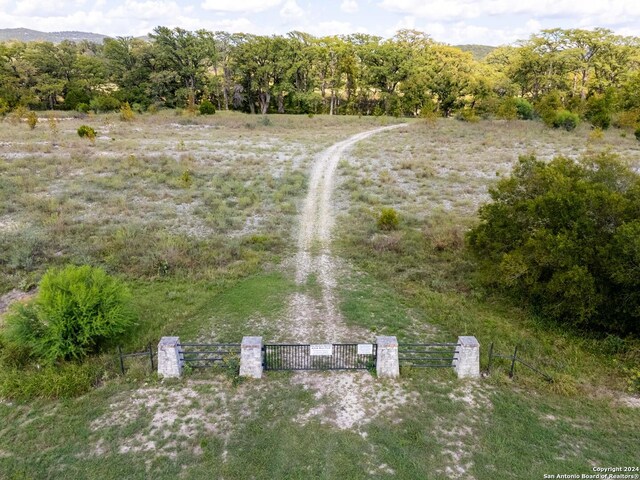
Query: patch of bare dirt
630,401
455,438
14,295
350,400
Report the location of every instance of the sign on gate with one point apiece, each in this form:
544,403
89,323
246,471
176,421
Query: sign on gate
365,349
321,350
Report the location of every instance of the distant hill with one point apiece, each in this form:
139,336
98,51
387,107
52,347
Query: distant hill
478,51
27,35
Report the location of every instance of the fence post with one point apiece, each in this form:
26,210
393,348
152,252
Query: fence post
251,357
387,363
467,357
169,361
513,362
121,360
151,357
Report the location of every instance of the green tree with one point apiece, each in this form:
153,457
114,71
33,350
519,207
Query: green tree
563,236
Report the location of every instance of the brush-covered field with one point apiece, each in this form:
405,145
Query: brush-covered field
200,217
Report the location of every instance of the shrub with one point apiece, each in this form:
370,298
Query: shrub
633,379
466,115
104,103
598,112
637,133
565,236
565,119
524,109
126,113
388,219
83,107
207,108
32,120
76,312
4,107
548,107
507,109
85,131
75,96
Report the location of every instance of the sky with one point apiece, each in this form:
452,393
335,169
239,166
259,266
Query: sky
488,22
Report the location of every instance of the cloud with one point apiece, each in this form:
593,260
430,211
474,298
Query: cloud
349,6
333,27
291,10
615,10
245,6
38,8
147,10
460,33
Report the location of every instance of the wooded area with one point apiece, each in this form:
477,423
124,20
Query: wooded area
592,74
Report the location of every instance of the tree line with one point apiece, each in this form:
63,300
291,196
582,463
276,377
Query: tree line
593,74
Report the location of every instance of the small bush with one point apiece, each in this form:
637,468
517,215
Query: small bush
507,109
388,219
565,119
185,179
466,115
104,103
83,107
265,121
85,131
32,120
207,108
548,107
637,133
598,112
524,109
126,113
77,311
633,379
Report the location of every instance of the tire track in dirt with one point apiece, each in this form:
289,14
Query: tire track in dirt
314,319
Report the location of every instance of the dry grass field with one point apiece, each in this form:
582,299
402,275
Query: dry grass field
202,217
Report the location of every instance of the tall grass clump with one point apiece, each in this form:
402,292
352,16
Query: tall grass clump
388,219
126,113
32,120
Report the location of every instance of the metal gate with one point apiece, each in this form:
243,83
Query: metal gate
202,355
336,356
427,355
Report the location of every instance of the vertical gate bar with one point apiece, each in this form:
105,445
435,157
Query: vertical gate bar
513,361
121,360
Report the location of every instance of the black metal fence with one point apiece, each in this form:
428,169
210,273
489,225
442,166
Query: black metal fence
202,355
427,355
513,360
147,353
343,356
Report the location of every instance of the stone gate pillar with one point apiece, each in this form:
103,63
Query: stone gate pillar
251,357
467,358
387,363
169,361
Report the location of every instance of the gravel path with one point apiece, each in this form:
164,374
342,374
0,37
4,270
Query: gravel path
318,319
